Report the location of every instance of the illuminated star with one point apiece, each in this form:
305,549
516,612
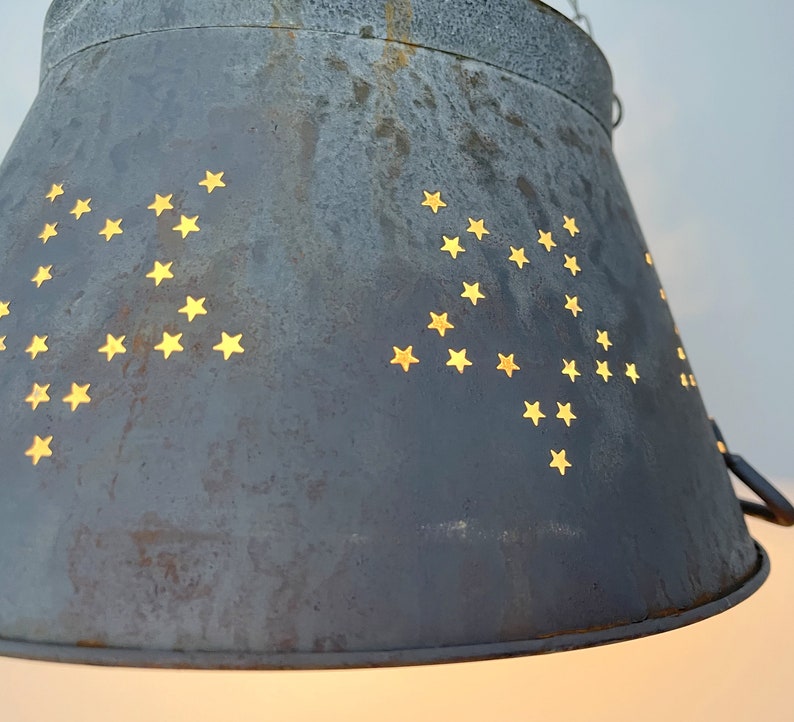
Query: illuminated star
518,257
112,228
692,381
40,448
533,412
228,345
507,364
187,225
50,230
42,275
193,308
684,381
439,323
113,346
572,304
648,259
681,353
80,208
433,201
458,359
55,191
4,308
478,228
662,294
213,181
571,264
603,370
570,226
564,412
472,292
569,369
38,345
452,246
161,203
602,337
559,462
545,240
160,272
631,372
404,357
169,344
79,395
38,395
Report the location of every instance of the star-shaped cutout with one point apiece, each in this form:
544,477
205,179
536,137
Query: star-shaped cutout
112,228
3,343
545,240
571,264
472,292
50,230
692,381
79,395
161,203
38,395
38,344
533,412
193,308
55,191
602,337
42,275
160,272
570,226
439,323
170,344
458,359
569,369
39,449
4,308
404,358
478,228
229,345
518,257
662,294
648,259
684,381
559,461
507,364
433,201
631,372
602,369
564,412
113,346
572,304
213,181
81,208
187,225
452,246
681,353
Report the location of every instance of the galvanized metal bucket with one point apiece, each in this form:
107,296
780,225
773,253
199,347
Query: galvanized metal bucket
330,338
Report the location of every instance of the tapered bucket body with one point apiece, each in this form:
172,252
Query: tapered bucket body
330,338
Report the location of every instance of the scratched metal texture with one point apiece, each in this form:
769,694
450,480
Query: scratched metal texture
307,503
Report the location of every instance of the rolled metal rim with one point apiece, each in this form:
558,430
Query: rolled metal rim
194,659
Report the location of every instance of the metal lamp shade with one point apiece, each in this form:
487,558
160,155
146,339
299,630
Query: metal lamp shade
330,338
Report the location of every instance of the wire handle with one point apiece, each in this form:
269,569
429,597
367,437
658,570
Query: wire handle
776,508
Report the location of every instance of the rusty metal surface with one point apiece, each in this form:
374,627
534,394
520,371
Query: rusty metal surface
307,497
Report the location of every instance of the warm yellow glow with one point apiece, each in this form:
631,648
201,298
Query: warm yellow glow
507,364
684,381
722,448
160,272
545,240
565,413
79,395
631,372
55,191
170,344
648,259
681,353
3,343
187,225
433,201
38,344
228,345
571,264
559,461
113,346
570,226
572,304
602,337
472,292
81,208
518,257
662,294
569,369
38,395
404,357
42,275
452,246
4,308
50,230
602,369
478,228
40,448
161,203
533,412
193,308
112,228
458,359
439,323
692,381
212,181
